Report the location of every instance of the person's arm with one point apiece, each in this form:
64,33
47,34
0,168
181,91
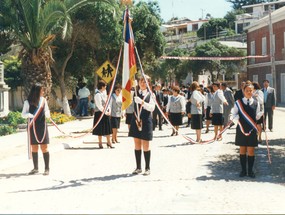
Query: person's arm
25,112
149,106
98,102
259,113
183,104
235,116
222,97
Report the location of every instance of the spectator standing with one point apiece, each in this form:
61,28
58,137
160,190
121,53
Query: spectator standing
217,110
176,109
104,126
84,95
230,100
157,117
269,103
209,98
197,110
116,112
188,106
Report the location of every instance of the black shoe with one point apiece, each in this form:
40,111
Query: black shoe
100,146
137,171
271,130
160,129
33,171
251,174
110,146
242,174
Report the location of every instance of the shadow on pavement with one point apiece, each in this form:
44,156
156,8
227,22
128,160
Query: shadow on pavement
13,175
77,183
227,167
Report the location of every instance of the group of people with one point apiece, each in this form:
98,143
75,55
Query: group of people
246,107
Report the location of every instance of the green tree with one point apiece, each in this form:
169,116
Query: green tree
231,17
175,68
149,39
212,28
35,24
95,30
214,48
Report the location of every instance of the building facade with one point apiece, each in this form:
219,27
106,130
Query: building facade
259,43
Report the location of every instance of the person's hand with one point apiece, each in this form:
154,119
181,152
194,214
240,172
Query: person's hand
198,104
211,115
31,115
226,103
273,107
108,112
138,100
182,113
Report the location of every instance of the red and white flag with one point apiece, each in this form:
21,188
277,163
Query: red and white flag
129,63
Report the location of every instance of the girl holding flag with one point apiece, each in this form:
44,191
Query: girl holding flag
141,125
247,112
36,110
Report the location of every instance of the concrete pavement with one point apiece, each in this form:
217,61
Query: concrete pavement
185,178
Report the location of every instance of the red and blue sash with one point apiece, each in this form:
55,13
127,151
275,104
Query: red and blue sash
247,118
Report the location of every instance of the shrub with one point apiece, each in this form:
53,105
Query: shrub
6,129
60,118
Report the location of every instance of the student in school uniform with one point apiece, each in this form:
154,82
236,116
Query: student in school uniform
116,112
141,128
104,127
217,109
247,111
176,109
197,98
36,108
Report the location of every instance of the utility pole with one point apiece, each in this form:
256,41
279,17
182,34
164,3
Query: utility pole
272,51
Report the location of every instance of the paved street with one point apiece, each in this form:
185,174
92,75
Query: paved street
185,178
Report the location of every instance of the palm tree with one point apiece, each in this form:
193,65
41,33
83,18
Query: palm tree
35,24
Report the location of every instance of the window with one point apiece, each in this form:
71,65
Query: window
252,51
264,46
255,78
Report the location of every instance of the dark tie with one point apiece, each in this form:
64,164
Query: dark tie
247,101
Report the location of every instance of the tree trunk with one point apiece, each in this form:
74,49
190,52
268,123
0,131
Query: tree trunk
36,69
65,104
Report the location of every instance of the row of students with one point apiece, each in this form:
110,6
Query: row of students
247,110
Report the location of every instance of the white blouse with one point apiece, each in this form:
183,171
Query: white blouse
235,116
26,114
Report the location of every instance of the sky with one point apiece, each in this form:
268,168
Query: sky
193,9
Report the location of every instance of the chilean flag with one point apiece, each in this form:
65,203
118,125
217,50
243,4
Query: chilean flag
129,63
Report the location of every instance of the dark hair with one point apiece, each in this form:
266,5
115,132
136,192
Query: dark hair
34,95
218,84
211,89
176,89
266,81
117,86
256,85
101,84
224,84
